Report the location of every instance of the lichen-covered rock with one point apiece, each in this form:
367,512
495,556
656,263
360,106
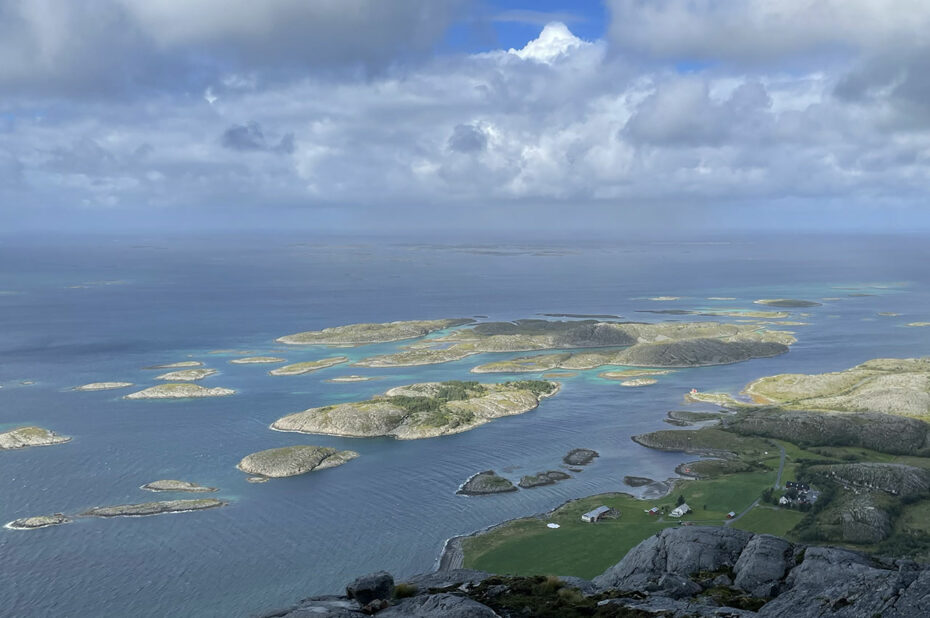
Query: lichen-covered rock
487,482
895,479
23,437
442,605
762,565
367,588
293,460
683,551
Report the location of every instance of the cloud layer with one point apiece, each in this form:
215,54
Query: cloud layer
132,107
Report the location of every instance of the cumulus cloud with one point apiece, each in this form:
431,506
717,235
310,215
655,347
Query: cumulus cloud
763,30
102,47
558,122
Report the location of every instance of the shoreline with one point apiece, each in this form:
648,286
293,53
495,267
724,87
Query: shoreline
452,555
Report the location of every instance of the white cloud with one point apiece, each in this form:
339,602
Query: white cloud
554,42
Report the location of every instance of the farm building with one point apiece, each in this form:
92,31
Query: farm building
680,510
731,514
592,516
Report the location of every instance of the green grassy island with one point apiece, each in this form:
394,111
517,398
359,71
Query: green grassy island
423,410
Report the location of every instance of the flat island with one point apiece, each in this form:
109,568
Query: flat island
352,378
177,365
102,386
422,410
257,360
23,437
787,303
40,521
179,391
308,366
364,334
173,485
665,344
153,508
187,375
293,460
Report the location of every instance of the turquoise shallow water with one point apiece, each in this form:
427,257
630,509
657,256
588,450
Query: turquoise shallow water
394,506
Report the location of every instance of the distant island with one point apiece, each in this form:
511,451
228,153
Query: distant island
23,437
666,344
293,460
364,334
187,375
177,365
174,485
179,391
153,508
788,303
308,366
422,410
102,386
257,360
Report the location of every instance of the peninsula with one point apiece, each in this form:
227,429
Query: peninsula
308,366
23,437
364,334
179,391
424,410
887,385
293,460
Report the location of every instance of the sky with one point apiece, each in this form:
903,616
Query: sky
369,116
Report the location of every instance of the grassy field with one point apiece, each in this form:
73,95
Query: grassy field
769,520
527,546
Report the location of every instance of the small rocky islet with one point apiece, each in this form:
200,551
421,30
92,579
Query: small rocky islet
187,375
485,483
39,521
540,479
102,386
258,360
23,437
153,508
175,485
176,390
308,366
293,460
580,457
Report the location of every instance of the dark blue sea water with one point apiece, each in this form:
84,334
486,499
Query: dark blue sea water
74,311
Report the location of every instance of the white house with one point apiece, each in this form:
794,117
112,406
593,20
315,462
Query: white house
680,510
593,516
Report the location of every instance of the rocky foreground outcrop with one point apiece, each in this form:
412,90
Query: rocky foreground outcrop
676,573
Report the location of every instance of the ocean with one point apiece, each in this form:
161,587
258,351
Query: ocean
90,309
